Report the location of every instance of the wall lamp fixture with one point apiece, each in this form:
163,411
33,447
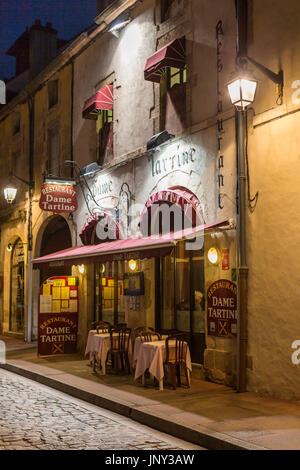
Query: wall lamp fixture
158,139
243,84
10,191
117,25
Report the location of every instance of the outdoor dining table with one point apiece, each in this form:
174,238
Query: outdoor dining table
98,346
151,355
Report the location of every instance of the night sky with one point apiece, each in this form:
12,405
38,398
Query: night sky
69,17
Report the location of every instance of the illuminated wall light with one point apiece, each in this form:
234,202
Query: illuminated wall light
81,269
9,247
133,265
102,268
214,256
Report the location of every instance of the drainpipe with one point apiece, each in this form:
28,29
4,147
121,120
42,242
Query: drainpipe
28,337
242,340
242,263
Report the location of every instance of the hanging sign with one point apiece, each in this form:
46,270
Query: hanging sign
222,309
58,316
58,198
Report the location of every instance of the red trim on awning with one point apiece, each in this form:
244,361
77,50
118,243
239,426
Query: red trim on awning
102,100
105,219
182,197
171,55
139,248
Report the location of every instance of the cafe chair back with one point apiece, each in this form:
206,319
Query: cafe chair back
148,336
119,347
176,351
103,327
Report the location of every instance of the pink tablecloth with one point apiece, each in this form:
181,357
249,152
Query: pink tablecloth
151,356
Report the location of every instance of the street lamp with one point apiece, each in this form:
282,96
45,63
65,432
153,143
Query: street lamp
10,192
242,90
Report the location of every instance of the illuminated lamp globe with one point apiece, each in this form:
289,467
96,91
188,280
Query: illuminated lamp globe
10,193
133,265
213,256
81,268
242,90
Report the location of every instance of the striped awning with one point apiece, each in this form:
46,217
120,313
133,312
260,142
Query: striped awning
102,100
171,55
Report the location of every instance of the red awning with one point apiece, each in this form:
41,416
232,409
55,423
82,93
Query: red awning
102,100
139,248
171,55
107,219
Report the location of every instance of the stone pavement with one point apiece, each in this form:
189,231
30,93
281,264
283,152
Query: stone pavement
34,417
207,414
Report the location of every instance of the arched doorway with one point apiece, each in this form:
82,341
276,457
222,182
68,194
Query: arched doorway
180,283
56,237
16,304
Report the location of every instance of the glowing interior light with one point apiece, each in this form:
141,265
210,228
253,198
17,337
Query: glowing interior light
132,264
81,269
213,255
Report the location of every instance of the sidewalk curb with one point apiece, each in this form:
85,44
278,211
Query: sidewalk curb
211,440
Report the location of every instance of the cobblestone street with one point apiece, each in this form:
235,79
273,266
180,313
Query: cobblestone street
33,416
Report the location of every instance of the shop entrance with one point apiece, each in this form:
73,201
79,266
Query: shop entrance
16,311
109,292
180,292
56,237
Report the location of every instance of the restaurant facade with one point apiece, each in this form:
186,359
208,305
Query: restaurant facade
156,193
155,237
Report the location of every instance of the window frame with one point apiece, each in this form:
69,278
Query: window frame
53,102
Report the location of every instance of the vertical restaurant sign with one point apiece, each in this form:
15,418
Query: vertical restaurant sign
222,309
58,198
58,316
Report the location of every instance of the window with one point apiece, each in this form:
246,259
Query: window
173,100
176,76
17,164
165,9
105,136
53,152
16,123
52,93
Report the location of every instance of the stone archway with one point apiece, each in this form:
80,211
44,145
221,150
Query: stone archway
56,236
53,235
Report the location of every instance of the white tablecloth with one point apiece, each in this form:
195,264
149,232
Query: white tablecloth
137,344
98,346
152,355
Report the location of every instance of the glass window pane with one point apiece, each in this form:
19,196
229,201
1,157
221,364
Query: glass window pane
182,313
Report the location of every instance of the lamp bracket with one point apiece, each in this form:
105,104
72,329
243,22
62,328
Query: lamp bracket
29,183
275,77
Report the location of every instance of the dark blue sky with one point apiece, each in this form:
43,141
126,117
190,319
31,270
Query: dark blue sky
69,17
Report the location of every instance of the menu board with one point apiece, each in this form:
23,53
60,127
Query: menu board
134,284
58,316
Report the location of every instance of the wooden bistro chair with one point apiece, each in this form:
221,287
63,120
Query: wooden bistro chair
176,357
103,327
149,335
119,347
